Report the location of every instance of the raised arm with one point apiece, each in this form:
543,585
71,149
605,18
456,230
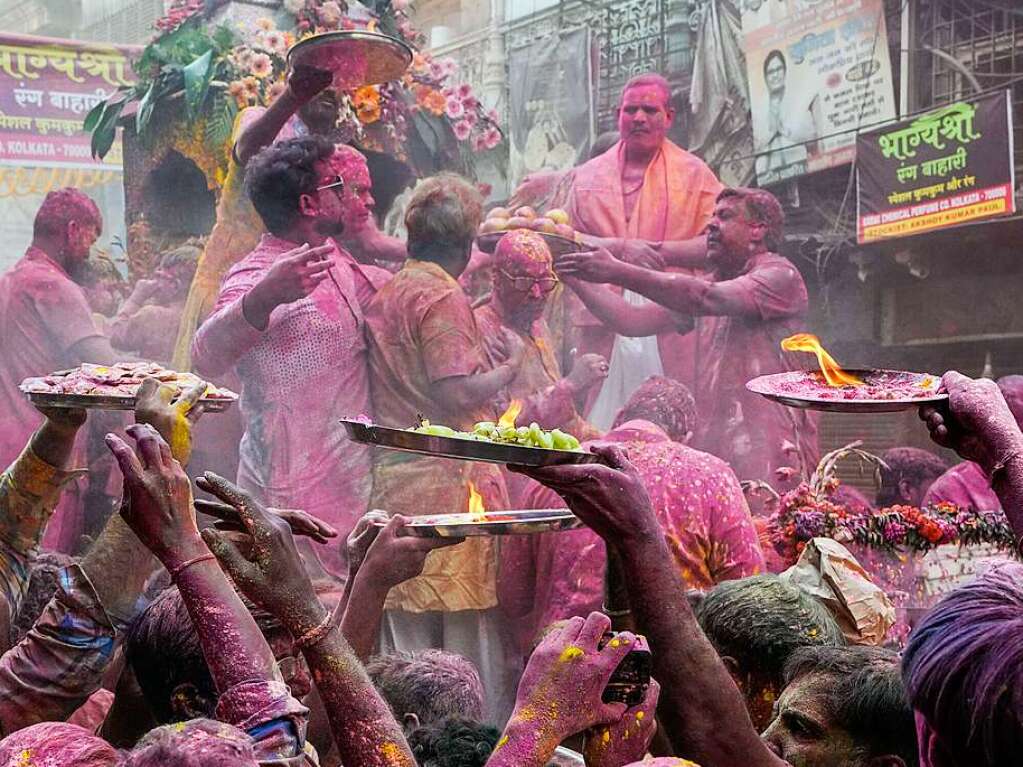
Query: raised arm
687,254
268,569
701,708
978,425
243,309
619,315
303,84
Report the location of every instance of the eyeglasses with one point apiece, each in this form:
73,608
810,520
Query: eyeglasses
525,284
338,183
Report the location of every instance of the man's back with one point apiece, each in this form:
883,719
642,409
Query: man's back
699,505
43,315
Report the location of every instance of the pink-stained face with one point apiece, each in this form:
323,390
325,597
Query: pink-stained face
356,198
523,275
644,117
729,235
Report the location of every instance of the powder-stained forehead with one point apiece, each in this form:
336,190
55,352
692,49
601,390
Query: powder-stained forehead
522,247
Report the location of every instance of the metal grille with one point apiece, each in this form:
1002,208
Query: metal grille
635,36
132,24
969,45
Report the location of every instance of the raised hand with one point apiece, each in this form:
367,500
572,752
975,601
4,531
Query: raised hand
269,570
560,691
640,253
608,497
292,277
977,422
509,349
587,370
361,538
305,82
157,501
300,522
626,740
394,558
171,412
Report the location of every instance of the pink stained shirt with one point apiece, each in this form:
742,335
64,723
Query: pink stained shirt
299,376
746,430
43,315
967,486
700,507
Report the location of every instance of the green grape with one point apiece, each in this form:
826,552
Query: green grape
436,430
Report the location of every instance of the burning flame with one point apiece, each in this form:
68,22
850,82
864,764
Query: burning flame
476,508
832,371
507,419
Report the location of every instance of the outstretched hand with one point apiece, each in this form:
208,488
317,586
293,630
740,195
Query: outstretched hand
593,266
561,688
626,740
608,497
265,564
306,81
301,522
976,423
157,500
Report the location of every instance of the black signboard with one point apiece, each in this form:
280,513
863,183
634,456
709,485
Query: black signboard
939,169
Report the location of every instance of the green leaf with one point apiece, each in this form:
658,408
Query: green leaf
220,123
197,82
105,131
145,110
92,118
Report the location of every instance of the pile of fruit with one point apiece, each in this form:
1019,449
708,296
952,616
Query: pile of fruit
524,436
552,222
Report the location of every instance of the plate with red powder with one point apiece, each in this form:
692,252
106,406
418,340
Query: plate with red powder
882,391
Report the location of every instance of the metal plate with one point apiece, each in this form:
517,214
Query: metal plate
776,387
462,449
111,402
356,57
497,523
559,245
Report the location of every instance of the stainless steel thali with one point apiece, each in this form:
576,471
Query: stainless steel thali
112,402
496,523
355,57
775,387
559,245
463,449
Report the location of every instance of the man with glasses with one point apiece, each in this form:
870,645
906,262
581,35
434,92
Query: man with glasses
289,320
524,280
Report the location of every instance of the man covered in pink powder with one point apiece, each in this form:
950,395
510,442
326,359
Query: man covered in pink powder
754,300
966,484
699,504
289,319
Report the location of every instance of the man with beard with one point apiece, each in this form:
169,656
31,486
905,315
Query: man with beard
307,107
289,320
644,199
755,299
45,320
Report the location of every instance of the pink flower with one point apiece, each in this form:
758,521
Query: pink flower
471,117
262,66
491,138
454,108
464,91
274,41
493,116
275,91
437,70
477,143
462,130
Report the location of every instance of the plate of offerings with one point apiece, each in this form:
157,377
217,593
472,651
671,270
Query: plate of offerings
553,226
490,442
356,57
113,387
492,523
839,390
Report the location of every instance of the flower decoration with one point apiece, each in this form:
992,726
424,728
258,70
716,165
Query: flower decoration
178,13
262,66
366,101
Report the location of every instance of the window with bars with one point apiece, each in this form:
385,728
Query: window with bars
963,46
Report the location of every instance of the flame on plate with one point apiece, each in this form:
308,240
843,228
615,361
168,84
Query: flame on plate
508,417
476,508
831,370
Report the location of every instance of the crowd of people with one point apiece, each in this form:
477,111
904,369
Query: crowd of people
286,618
